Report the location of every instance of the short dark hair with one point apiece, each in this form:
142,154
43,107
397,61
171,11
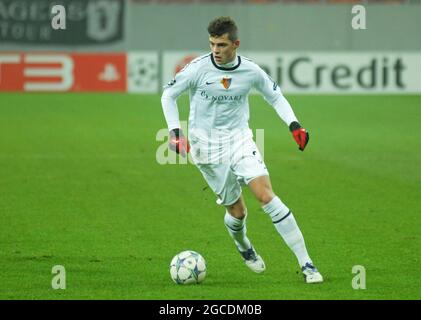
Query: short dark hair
219,26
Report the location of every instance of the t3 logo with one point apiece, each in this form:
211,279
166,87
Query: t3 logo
36,72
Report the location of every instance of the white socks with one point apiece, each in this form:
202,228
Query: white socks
237,230
287,227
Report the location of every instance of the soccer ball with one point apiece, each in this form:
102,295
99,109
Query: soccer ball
188,267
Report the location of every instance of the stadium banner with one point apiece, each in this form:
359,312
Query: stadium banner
87,22
174,61
326,72
143,72
63,72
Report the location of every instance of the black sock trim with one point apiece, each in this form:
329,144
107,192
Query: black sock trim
235,230
284,217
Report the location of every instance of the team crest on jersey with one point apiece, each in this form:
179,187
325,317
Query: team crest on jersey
226,82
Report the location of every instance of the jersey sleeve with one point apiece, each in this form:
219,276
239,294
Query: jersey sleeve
273,95
182,81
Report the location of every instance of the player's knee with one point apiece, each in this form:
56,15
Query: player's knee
266,197
237,210
238,214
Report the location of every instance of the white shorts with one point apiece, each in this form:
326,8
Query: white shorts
227,177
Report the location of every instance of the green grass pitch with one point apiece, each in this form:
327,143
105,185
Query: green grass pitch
80,187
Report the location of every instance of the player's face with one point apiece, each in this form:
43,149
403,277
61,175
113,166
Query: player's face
223,49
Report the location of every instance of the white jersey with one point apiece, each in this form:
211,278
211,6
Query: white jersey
219,95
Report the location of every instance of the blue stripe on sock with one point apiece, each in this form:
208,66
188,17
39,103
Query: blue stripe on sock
235,230
284,217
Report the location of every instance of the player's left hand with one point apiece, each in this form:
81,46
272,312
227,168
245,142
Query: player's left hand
178,142
300,135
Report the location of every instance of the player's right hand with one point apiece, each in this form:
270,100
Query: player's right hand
300,135
178,142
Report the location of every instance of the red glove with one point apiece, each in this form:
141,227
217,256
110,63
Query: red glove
300,135
178,142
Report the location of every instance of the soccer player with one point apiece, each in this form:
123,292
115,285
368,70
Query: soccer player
222,145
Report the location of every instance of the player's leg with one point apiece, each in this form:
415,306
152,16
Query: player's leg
225,185
281,216
252,169
285,224
235,222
